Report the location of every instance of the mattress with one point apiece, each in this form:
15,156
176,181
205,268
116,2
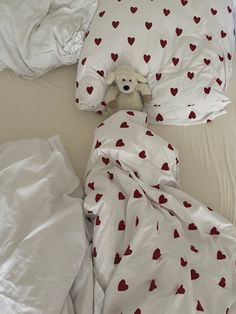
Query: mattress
45,107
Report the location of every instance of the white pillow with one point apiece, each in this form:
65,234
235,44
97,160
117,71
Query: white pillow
184,47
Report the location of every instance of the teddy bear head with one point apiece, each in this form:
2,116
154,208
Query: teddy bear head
126,79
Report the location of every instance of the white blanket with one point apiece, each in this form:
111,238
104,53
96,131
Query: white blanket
45,260
156,249
36,36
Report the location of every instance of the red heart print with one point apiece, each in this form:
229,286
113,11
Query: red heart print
208,37
159,117
91,185
197,19
166,12
117,259
184,2
133,9
156,186
174,91
100,72
98,197
186,204
111,175
120,143
180,290
229,9
130,113
162,199
115,24
210,209
121,225
213,11
136,221
165,167
199,307
223,34
194,275
97,221
156,254
176,234
170,147
163,43
192,47
124,125
128,251
175,61
102,13
158,76
149,133
214,231
229,56
142,154
137,194
194,249
98,41
94,253
207,61
220,255
83,61
98,144
178,31
221,58
192,115
131,40
146,58
183,262
114,56
121,196
105,160
136,174
153,285
190,75
207,90
222,282
137,311
89,89
122,286
192,227
148,25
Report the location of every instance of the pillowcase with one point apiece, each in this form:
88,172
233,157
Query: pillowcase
184,48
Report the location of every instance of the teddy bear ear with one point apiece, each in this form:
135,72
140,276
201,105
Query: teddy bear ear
140,78
110,78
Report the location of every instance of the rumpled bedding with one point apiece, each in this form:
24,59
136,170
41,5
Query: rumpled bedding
155,248
37,36
45,258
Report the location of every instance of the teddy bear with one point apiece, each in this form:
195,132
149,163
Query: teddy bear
128,90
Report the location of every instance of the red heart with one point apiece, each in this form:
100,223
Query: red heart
179,31
221,58
121,196
97,221
156,186
186,204
194,275
229,9
89,89
190,75
100,72
192,47
149,133
124,125
153,285
209,37
117,259
207,61
158,76
120,143
146,58
213,11
94,253
207,90
176,234
133,9
165,167
148,25
192,226
184,2
122,286
214,231
222,282
98,197
175,61
98,144
115,24
121,225
174,91
114,56
163,43
220,255
128,251
199,307
159,117
183,262
137,194
192,115
131,113
136,221
223,34
180,290
156,254
170,147
194,249
83,61
162,199
142,154
98,41
229,56
197,19
131,40
166,12
138,311
105,160
91,185
102,13
111,175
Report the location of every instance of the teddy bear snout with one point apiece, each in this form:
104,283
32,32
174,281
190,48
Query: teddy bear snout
126,87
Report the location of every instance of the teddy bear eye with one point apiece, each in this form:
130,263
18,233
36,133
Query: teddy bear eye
130,80
123,80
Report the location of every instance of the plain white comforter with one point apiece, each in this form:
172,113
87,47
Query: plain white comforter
45,259
36,36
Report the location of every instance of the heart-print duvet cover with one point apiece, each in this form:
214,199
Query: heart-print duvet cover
155,248
184,47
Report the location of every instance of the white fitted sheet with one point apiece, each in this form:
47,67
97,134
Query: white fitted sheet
45,107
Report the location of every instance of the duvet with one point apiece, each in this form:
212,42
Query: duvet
155,248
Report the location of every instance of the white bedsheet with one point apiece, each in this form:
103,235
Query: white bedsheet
45,259
36,36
